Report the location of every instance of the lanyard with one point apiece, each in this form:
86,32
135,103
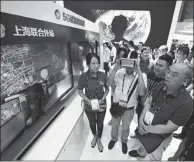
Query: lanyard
152,84
159,107
130,85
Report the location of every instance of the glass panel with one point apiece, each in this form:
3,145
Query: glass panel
33,77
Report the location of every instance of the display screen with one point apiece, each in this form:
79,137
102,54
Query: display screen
145,21
127,62
22,64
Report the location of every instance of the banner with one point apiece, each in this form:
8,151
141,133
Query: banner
18,29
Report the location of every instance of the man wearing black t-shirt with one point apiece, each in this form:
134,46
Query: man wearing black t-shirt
158,75
153,79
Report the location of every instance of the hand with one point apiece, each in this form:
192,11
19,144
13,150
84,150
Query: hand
89,102
101,101
117,64
142,131
147,128
101,110
137,66
141,123
141,127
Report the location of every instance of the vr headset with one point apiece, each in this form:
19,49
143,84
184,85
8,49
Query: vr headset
125,62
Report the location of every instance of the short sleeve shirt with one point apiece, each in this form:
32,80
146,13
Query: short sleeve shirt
176,107
123,82
94,87
152,82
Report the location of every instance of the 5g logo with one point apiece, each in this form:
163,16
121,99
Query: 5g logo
57,14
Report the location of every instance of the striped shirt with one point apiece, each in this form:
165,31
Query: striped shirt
152,82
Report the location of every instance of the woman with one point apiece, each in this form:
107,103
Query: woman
94,83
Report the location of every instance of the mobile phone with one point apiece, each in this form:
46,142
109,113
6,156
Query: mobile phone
125,62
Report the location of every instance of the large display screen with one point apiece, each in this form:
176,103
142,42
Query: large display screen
146,21
23,64
26,65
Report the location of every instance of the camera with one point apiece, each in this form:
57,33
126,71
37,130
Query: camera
125,62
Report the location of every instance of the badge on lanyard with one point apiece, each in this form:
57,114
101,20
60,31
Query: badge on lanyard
123,101
95,104
149,116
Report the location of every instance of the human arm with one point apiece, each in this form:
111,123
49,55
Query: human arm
81,86
106,91
110,79
114,54
80,92
141,119
169,127
142,80
178,118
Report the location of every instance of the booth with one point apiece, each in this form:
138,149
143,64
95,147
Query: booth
40,65
184,33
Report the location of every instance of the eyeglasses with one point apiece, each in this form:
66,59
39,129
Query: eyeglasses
180,54
171,73
146,52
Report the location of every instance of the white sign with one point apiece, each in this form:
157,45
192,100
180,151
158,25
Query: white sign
47,14
28,31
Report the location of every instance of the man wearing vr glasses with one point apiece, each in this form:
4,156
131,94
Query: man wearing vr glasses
129,82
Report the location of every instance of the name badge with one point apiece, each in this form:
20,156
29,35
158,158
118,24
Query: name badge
95,104
123,101
148,118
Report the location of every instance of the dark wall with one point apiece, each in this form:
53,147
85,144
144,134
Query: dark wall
161,14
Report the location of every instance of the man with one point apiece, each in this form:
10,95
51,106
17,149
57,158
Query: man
171,54
121,53
190,56
106,57
145,60
185,149
82,58
140,47
158,75
130,46
181,55
155,53
163,49
153,79
113,54
187,154
169,107
128,85
189,88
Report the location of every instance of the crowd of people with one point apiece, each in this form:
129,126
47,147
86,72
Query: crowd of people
158,88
